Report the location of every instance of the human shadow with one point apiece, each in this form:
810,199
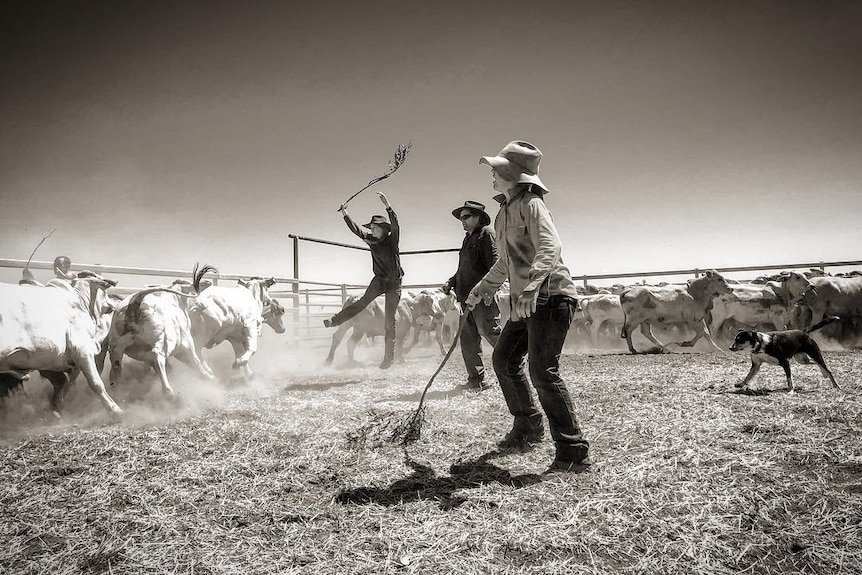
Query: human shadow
425,484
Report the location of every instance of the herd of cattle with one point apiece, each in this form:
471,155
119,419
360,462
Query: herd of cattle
712,306
709,307
68,327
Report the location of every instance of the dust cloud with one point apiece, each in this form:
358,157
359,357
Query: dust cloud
279,361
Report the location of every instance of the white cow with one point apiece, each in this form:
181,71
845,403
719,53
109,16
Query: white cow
841,296
751,306
601,311
686,304
56,329
151,326
429,308
235,314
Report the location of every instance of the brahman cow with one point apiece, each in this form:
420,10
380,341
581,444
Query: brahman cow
370,323
685,304
429,310
757,306
235,314
832,296
839,296
601,312
151,326
57,330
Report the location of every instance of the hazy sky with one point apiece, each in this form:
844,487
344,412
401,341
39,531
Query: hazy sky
675,134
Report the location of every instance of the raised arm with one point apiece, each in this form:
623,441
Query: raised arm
353,226
395,231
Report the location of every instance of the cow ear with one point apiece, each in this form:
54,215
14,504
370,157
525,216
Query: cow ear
242,282
269,282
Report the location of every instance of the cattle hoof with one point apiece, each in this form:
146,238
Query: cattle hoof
56,414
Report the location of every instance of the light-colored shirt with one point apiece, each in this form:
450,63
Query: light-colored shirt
530,251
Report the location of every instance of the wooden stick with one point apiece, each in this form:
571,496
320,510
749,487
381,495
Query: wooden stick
396,162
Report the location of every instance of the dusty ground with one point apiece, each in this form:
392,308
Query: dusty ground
294,474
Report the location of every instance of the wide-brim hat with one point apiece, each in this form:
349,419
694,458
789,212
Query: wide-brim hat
476,207
518,162
379,220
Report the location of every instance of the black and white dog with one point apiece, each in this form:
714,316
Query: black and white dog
777,347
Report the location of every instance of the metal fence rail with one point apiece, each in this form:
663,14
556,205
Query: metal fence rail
308,302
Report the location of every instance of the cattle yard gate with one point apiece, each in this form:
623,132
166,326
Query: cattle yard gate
308,302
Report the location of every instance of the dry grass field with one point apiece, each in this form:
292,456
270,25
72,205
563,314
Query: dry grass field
295,474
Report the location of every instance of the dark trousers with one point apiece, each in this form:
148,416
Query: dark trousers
392,290
481,321
539,339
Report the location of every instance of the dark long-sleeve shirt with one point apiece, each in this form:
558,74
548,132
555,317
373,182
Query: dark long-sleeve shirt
478,253
385,259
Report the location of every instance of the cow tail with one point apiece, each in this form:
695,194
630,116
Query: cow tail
823,322
133,310
198,275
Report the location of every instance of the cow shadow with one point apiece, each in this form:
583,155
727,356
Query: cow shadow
425,484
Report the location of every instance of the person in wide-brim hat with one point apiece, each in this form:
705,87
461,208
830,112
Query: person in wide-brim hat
475,207
379,221
477,255
542,301
386,263
518,162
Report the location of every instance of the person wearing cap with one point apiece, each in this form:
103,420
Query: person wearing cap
478,253
63,268
543,300
386,264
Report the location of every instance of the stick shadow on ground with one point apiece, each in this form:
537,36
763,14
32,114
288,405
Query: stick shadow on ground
319,386
425,484
762,392
417,395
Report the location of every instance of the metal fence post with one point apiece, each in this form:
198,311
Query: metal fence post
295,289
307,313
343,294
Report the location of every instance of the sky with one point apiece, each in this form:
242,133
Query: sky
676,134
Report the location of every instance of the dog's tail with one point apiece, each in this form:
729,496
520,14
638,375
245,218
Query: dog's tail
823,322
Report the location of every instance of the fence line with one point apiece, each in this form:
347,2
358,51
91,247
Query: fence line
697,271
312,300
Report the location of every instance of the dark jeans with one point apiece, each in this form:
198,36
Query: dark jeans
392,290
481,321
540,338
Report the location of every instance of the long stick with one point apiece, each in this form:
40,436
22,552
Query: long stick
27,265
418,413
396,162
